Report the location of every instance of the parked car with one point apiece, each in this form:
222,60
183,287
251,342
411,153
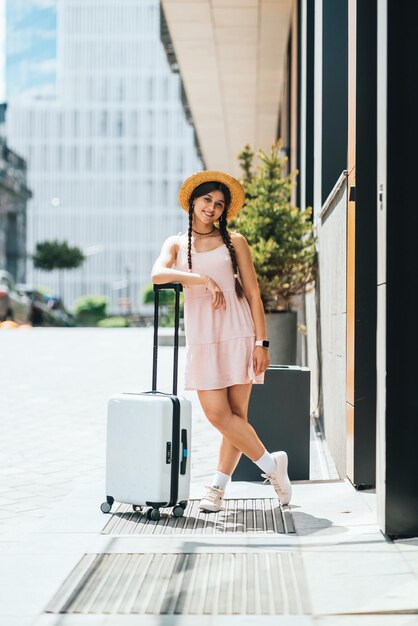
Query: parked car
14,304
46,310
41,314
62,316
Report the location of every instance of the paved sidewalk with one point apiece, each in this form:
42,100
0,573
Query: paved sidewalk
336,569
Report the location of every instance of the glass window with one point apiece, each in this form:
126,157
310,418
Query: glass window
121,89
134,124
75,123
164,160
148,124
150,88
88,158
133,165
103,123
120,158
120,131
150,156
104,88
179,160
90,123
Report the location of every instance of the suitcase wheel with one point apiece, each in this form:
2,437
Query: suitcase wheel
105,507
137,508
154,515
183,504
178,511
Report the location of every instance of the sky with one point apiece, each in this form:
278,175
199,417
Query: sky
40,64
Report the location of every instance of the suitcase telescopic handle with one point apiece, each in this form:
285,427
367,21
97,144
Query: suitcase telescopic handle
178,287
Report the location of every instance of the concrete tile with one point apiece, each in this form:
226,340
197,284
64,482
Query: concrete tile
17,620
411,558
410,544
28,582
38,544
334,594
19,507
353,539
7,514
313,504
339,561
367,620
175,620
78,512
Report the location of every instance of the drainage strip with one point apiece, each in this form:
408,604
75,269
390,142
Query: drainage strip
250,515
259,583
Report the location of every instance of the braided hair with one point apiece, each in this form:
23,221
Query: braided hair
227,241
199,191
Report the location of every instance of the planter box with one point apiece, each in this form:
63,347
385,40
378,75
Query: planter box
279,410
282,333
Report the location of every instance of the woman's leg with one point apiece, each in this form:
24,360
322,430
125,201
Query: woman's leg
240,436
229,455
234,403
239,433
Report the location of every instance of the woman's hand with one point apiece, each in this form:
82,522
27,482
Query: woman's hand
261,360
218,298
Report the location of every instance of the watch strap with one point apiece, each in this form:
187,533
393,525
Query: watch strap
264,343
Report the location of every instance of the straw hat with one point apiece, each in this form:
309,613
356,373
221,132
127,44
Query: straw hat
235,188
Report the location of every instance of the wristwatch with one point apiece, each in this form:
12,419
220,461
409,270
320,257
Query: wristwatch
264,343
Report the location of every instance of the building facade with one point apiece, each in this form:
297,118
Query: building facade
106,157
14,195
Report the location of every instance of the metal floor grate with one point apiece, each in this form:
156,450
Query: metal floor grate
261,515
259,583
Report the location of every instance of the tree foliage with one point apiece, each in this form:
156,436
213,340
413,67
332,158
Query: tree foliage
281,237
56,255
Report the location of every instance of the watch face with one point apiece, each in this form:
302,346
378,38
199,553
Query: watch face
266,343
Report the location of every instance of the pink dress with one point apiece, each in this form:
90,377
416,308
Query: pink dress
219,342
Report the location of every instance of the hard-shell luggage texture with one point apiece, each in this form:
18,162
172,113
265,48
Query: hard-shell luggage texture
148,439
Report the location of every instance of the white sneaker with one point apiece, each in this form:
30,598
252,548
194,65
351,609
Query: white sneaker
279,479
212,500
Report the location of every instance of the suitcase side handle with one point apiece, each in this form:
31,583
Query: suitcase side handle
184,451
178,287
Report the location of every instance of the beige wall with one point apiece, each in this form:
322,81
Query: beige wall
351,237
332,233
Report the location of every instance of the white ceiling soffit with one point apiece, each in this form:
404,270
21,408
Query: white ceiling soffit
232,56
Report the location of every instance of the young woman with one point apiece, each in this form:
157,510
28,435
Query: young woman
226,342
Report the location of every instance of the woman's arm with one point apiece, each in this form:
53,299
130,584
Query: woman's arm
261,358
162,271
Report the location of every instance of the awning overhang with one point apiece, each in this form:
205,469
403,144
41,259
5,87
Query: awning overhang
232,58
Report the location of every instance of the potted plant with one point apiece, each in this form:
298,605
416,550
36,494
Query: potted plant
282,242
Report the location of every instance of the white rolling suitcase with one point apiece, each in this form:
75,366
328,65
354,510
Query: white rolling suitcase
148,439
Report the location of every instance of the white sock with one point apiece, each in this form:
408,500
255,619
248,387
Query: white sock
266,463
220,480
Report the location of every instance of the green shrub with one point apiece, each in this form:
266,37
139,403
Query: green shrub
167,300
89,310
115,322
